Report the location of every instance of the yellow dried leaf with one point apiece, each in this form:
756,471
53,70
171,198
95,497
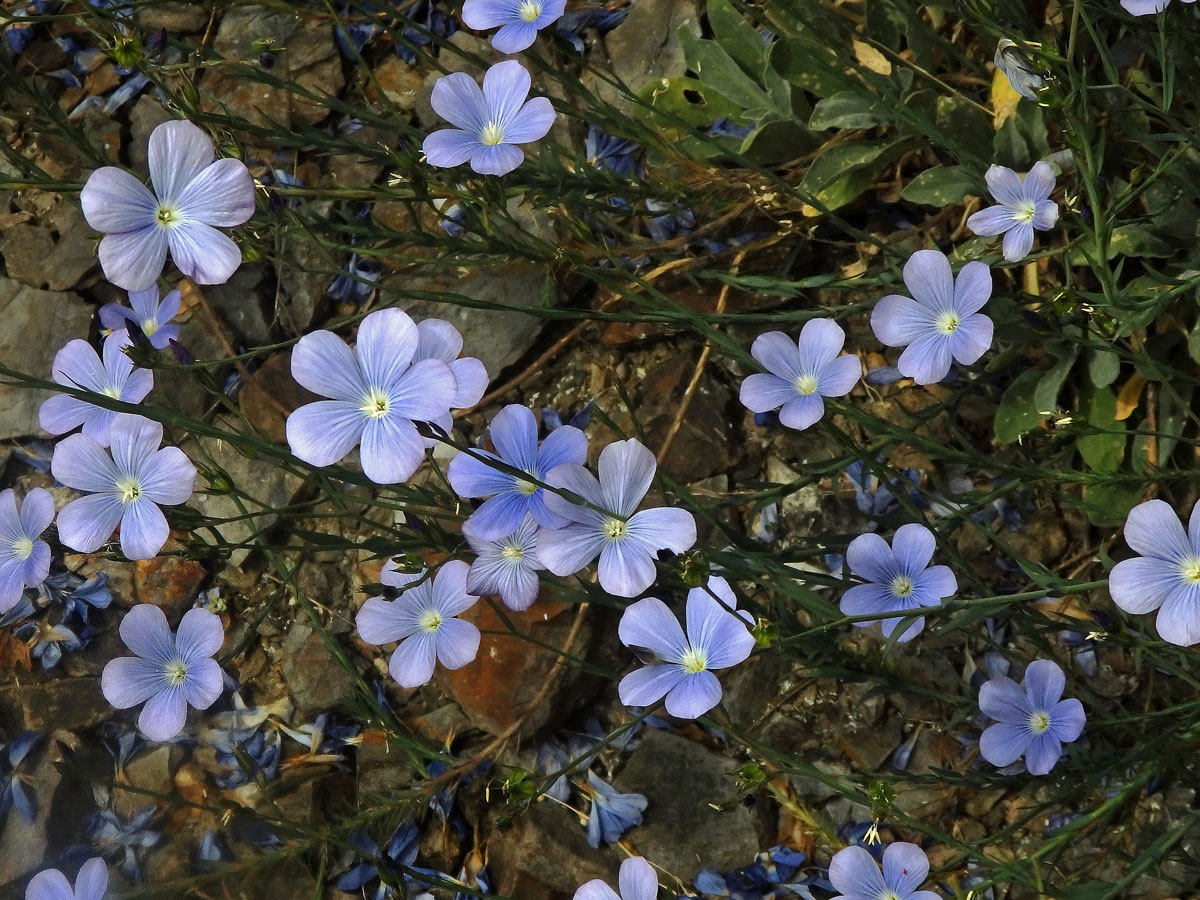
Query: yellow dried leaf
1130,396
872,59
1004,99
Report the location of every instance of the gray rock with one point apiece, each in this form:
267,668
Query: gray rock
23,844
260,479
314,677
239,302
146,115
36,324
646,47
382,771
546,855
303,275
177,18
54,256
149,771
680,830
62,702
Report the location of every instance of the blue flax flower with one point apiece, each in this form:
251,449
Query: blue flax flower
506,567
24,557
193,196
170,672
124,488
12,784
898,578
78,366
1166,573
489,124
399,854
772,876
1016,67
423,619
598,17
90,883
680,667
111,838
514,434
626,541
1031,720
800,373
91,594
613,813
1023,205
50,642
856,876
518,20
941,322
148,314
636,880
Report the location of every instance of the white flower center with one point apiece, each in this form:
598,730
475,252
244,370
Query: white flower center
113,391
615,529
693,661
947,322
530,10
375,404
430,620
889,895
149,326
513,553
167,216
1024,211
129,489
901,586
22,547
175,671
1039,722
1189,570
491,135
806,384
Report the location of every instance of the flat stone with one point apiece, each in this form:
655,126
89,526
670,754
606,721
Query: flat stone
399,82
23,844
148,771
175,17
680,831
314,678
69,703
36,324
646,46
240,305
546,855
54,256
147,114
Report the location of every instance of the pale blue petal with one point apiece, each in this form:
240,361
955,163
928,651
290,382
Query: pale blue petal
1043,684
694,695
413,662
1042,753
1018,241
202,253
927,359
648,685
1003,744
1153,529
324,432
626,568
457,643
650,625
1002,700
929,279
164,715
993,220
134,259
898,321
802,411
392,449
759,393
905,866
144,530
85,524
971,339
497,159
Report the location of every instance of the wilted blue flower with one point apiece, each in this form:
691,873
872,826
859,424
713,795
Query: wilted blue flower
506,567
111,838
79,599
898,578
600,18
800,373
552,758
514,434
626,541
636,880
51,884
856,876
20,33
1165,574
678,666
49,642
1031,720
13,793
124,488
122,744
618,155
518,20
1023,205
169,672
193,196
150,315
552,419
423,620
423,19
325,739
772,876
212,850
489,124
357,282
378,392
24,557
883,375
260,750
728,128
1015,65
671,224
613,813
78,366
399,854
130,88
872,497
941,322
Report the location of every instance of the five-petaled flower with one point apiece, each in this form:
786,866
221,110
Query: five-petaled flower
636,880
122,489
506,567
148,313
680,666
78,366
169,672
1031,720
801,372
24,559
488,123
378,392
856,876
941,322
1023,205
518,20
626,541
898,578
1166,573
514,434
423,620
90,883
193,196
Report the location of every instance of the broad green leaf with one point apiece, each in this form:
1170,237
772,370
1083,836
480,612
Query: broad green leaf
695,103
779,142
844,171
847,109
716,68
1109,504
1018,412
940,186
737,37
1137,240
1103,451
1021,140
1045,395
1103,367
965,123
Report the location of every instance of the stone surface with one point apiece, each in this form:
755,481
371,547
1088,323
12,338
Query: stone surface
545,854
146,115
496,690
36,324
303,276
270,396
314,678
53,256
398,81
176,17
60,702
704,444
239,303
304,51
148,771
680,831
23,844
646,47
